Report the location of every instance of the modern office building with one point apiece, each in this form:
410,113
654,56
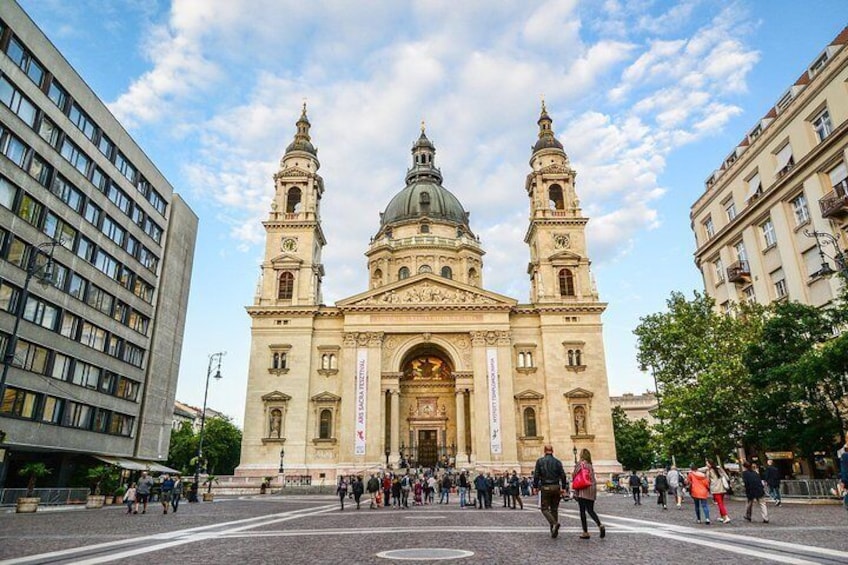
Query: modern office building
426,367
96,252
772,220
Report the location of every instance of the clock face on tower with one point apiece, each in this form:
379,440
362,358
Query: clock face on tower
561,241
289,244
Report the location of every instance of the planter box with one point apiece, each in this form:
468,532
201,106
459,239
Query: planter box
95,501
27,504
208,497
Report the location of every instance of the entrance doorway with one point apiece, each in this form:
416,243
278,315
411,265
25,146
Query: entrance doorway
428,448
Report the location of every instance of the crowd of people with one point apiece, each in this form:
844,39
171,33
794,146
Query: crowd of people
139,493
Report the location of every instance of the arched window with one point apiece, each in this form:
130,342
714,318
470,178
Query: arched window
333,361
571,357
378,277
425,228
286,286
403,273
555,197
472,277
447,272
325,426
293,200
529,422
325,361
529,359
578,357
566,282
521,360
276,362
425,269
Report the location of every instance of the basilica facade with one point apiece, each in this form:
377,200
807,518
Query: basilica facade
426,366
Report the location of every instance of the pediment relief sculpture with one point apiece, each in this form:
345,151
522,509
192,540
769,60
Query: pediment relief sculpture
276,396
428,293
579,393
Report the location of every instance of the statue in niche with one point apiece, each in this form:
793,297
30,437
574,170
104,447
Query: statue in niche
276,421
580,420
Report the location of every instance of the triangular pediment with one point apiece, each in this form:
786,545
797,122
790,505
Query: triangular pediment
579,393
286,259
326,397
554,169
529,395
428,289
566,255
276,396
294,172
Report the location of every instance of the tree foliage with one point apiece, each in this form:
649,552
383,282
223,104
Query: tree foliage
695,355
633,441
221,447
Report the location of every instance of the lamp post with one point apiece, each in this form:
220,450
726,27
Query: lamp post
468,453
574,451
838,257
199,457
387,453
32,267
282,469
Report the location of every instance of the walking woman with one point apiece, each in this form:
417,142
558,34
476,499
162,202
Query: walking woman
341,490
586,496
719,483
699,490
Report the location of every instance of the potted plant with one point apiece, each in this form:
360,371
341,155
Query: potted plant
208,496
119,494
32,471
97,476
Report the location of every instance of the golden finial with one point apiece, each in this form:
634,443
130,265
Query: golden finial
544,110
304,105
422,127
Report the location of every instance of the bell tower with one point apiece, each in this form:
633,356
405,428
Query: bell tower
292,271
559,262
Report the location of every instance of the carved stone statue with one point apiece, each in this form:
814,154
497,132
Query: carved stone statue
276,421
580,420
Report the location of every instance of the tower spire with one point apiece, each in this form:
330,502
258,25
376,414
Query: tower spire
302,141
547,139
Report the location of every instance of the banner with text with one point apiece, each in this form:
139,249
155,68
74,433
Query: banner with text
494,399
361,400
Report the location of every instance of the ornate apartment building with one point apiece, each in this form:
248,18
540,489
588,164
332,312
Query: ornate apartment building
96,255
426,365
772,220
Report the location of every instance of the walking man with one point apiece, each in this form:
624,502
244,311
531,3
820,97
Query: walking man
549,477
773,481
675,485
167,489
481,486
177,493
143,488
754,492
635,487
373,489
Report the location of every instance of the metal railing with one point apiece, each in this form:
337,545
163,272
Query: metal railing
808,488
48,496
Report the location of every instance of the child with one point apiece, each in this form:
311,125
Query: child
129,498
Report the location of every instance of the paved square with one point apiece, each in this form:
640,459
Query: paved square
312,529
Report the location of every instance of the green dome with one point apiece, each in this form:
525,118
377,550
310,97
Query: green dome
424,199
424,195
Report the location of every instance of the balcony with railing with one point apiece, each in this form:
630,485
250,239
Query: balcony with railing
835,203
739,272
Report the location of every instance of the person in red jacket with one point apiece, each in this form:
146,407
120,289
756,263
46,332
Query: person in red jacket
699,490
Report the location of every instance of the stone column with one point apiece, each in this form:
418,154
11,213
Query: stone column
460,423
395,429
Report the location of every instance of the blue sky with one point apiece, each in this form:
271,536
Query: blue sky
648,97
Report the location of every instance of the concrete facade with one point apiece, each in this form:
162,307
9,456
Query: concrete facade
637,406
97,359
425,367
786,179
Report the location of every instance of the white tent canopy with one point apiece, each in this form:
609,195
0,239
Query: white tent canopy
135,464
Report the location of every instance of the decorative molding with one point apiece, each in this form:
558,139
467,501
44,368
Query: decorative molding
427,293
326,398
278,371
323,442
579,393
277,440
586,437
525,370
529,395
276,396
327,372
575,368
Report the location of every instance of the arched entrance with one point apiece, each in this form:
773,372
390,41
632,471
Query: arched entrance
428,410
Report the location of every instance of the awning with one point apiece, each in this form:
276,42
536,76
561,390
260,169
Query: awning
135,464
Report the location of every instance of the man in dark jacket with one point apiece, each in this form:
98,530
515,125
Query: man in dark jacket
754,491
635,487
358,488
549,478
373,488
773,481
661,486
481,486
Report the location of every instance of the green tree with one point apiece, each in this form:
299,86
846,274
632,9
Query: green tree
221,447
633,441
799,371
695,355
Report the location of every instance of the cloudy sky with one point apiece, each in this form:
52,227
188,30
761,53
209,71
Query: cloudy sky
647,96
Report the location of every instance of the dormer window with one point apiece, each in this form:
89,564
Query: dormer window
425,228
424,202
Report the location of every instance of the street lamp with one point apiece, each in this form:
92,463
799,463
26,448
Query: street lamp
468,452
282,468
574,451
45,277
838,257
199,457
387,453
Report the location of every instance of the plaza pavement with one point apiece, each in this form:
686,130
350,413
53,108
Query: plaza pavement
295,529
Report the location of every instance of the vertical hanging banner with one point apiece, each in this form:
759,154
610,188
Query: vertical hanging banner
361,400
494,399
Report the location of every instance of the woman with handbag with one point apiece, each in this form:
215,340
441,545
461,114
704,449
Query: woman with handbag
583,485
719,485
